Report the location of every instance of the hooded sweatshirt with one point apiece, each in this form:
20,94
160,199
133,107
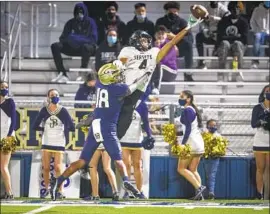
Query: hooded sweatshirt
85,93
79,32
171,57
259,21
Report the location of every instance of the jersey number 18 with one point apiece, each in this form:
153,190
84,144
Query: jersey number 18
102,98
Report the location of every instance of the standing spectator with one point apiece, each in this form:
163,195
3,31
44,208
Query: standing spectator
111,20
260,26
232,36
140,21
78,38
87,91
261,121
108,49
175,24
208,29
8,124
55,123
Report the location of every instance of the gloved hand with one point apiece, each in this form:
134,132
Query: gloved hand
118,64
85,121
148,143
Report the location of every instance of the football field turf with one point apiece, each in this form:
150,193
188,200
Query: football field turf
166,206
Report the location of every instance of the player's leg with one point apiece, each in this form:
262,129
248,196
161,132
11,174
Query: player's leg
94,173
46,159
106,162
113,148
260,159
89,149
58,163
136,157
125,117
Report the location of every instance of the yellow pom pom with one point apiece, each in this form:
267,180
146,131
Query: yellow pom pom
85,129
8,144
214,146
182,151
169,133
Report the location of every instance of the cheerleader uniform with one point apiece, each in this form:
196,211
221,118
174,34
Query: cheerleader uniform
56,128
133,137
8,118
261,138
191,131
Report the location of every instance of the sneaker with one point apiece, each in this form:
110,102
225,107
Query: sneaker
202,65
142,196
126,196
63,79
45,194
129,187
254,66
199,192
60,195
92,198
79,78
211,196
188,77
84,173
58,77
8,196
115,196
259,196
54,189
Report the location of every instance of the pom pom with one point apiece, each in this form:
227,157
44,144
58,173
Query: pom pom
182,151
214,146
85,129
8,144
169,133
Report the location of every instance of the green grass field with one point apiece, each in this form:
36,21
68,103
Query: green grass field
136,207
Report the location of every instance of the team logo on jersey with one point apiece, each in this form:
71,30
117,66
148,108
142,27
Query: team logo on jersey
53,122
231,30
141,57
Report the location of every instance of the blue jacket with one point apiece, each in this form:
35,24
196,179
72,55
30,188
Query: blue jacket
79,32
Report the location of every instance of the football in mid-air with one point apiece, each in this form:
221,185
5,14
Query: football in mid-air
199,11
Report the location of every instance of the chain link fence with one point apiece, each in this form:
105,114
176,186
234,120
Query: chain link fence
233,122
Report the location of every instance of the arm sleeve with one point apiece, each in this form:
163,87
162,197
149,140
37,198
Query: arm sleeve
189,116
13,117
68,123
36,124
65,32
253,24
143,111
255,121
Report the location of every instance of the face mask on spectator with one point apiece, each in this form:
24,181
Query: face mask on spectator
141,17
111,15
111,39
267,95
54,100
79,13
212,129
4,92
172,16
182,102
213,4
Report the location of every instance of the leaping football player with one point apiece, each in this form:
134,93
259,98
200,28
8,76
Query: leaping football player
140,58
110,98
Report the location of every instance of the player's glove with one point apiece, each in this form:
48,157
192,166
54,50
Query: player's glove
85,122
148,143
118,64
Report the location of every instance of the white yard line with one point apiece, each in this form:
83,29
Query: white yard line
41,209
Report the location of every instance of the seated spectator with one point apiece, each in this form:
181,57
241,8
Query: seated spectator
140,21
232,36
79,38
111,20
175,24
170,60
260,26
108,49
87,91
208,29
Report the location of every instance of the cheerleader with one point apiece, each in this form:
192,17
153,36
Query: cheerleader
57,124
8,124
191,122
132,147
261,121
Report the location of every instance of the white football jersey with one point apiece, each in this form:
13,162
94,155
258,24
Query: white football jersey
138,63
